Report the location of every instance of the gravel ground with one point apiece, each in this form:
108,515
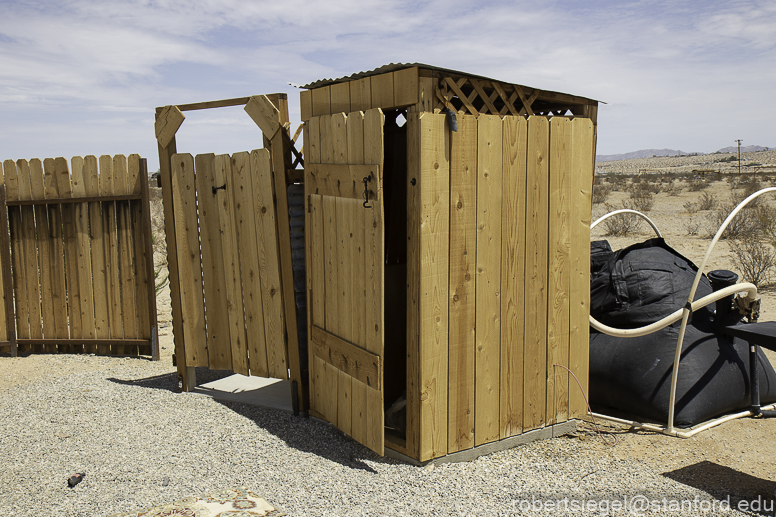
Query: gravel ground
141,444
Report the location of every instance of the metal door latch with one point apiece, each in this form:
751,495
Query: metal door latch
367,179
222,187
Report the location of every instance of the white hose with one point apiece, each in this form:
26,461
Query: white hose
627,211
750,289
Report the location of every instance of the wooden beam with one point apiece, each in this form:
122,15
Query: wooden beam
149,257
168,121
264,114
239,101
72,200
346,357
67,341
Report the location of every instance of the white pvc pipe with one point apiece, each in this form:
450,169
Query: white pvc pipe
686,311
750,289
627,211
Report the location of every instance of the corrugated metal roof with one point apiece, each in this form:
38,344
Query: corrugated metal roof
392,67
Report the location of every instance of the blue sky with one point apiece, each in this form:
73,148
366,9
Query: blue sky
83,77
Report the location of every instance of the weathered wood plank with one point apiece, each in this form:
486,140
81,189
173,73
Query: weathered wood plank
72,282
306,105
382,91
559,274
217,318
488,283
29,244
110,245
17,255
536,238
126,251
583,153
405,87
168,120
189,265
79,168
346,357
434,262
223,176
56,251
463,255
269,267
42,230
513,275
361,94
264,114
143,254
321,101
340,99
97,253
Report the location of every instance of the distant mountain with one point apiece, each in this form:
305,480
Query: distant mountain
745,149
644,153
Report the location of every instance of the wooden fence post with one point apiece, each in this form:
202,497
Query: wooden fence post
5,264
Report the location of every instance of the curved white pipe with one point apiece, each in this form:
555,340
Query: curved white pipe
626,211
750,289
686,310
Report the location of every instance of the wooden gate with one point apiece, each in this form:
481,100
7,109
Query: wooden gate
225,204
345,280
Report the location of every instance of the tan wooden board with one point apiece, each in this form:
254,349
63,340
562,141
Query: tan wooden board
321,101
306,105
414,182
189,265
339,180
70,234
29,245
559,274
463,255
269,267
513,275
361,94
346,357
330,265
405,87
126,251
434,267
145,293
223,175
583,153
110,245
355,135
51,169
245,229
264,114
382,91
536,238
426,95
340,98
83,251
167,123
216,302
42,230
97,239
488,278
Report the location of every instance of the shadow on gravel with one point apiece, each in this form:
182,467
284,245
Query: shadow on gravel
722,482
308,435
303,434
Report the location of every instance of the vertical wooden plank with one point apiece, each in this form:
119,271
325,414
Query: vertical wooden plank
269,267
340,98
145,293
83,253
361,94
72,284
536,238
245,229
463,256
17,253
110,246
434,262
583,152
513,275
426,96
223,174
313,258
126,250
44,254
306,105
405,87
189,265
6,282
56,251
382,91
558,270
321,101
217,318
97,251
30,251
357,221
414,182
331,278
488,283
374,237
344,402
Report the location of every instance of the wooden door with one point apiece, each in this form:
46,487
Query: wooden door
345,280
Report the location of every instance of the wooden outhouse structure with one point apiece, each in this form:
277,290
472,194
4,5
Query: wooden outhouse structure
447,256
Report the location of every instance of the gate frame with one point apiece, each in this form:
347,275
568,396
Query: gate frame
270,113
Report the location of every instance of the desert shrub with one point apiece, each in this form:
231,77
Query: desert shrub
707,201
158,236
743,226
728,159
766,220
691,208
671,188
754,259
620,225
697,184
692,226
618,182
641,200
601,193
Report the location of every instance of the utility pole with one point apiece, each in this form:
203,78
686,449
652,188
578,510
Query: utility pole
739,155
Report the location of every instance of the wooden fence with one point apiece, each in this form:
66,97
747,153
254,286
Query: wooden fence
81,261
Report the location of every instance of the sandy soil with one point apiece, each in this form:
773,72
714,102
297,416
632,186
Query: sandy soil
736,454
